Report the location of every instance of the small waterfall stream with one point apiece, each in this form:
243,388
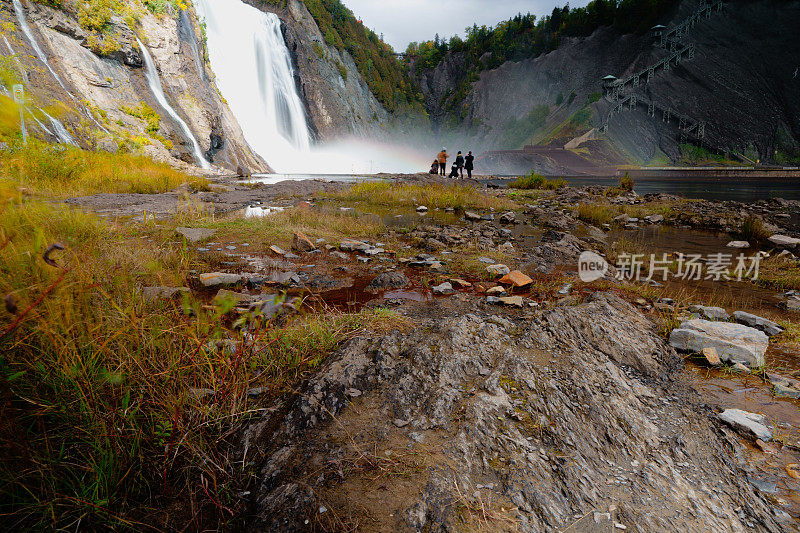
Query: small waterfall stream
254,72
186,33
158,92
59,130
26,29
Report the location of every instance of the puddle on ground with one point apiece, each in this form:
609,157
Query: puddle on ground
766,471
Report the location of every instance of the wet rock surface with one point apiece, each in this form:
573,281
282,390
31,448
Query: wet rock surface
544,419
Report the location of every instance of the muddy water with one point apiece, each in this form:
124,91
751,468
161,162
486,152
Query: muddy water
723,389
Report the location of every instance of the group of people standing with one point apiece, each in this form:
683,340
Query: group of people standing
461,163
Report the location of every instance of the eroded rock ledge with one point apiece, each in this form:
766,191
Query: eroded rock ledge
575,415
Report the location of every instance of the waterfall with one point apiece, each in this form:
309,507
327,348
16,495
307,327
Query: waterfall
60,131
254,73
186,33
26,29
39,122
158,92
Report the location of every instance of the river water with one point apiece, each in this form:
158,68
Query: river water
740,189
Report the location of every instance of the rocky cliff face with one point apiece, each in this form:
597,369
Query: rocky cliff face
338,101
741,82
102,93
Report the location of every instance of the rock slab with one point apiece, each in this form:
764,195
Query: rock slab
747,423
767,326
735,343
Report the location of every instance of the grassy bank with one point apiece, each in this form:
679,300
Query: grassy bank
61,171
433,196
119,412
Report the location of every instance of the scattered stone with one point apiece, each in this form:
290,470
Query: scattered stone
486,260
388,280
738,244
767,447
256,391
462,284
373,251
739,368
353,246
434,245
749,424
792,303
362,259
784,241
284,278
304,205
400,423
655,219
301,243
496,291
216,279
341,255
353,393
493,300
163,293
515,278
498,270
506,248
195,235
489,217
444,288
277,250
617,525
784,386
767,326
238,297
514,301
710,313
623,218
508,217
289,255
712,356
734,343
565,290
469,215
421,209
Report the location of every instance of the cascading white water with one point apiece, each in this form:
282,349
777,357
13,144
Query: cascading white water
186,33
26,29
254,72
60,131
158,92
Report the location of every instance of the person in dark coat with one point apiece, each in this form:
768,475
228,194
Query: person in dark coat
468,164
453,171
460,164
434,167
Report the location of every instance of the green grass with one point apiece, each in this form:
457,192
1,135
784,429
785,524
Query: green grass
537,181
382,193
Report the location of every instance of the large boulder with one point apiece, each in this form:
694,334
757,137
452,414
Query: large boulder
735,343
